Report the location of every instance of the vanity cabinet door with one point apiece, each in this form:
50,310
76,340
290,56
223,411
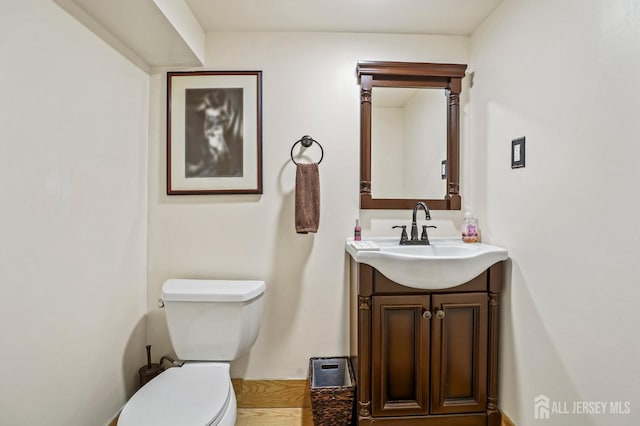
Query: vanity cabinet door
400,355
459,353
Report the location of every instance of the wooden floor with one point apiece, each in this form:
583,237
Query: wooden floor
274,416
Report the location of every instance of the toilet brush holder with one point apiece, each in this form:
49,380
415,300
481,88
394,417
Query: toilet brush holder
149,371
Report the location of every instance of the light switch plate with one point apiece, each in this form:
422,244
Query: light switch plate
517,153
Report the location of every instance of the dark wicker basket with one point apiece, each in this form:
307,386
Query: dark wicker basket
332,397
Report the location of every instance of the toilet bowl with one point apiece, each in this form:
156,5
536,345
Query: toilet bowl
211,323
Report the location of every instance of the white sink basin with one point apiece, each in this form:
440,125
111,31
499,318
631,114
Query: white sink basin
446,263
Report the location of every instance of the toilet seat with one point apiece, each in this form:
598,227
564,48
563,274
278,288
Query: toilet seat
196,394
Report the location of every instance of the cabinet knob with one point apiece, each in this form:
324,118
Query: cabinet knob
426,315
440,314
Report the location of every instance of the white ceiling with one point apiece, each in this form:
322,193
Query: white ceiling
451,17
171,33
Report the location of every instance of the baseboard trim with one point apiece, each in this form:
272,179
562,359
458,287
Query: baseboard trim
506,421
272,393
114,421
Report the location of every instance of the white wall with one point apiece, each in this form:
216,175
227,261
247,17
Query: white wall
309,87
563,74
73,178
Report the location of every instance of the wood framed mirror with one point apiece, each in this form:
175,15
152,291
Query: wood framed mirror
445,80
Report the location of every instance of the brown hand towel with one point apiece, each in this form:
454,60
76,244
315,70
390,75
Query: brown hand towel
307,198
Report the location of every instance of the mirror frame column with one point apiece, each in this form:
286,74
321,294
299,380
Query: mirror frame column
453,144
366,85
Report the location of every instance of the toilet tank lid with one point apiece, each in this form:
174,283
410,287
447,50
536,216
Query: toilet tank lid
193,290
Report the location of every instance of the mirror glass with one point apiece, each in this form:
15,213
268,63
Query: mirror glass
408,142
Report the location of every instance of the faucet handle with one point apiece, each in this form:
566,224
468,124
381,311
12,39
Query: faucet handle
403,236
424,236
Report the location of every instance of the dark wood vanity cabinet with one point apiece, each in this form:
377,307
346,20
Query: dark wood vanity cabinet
425,357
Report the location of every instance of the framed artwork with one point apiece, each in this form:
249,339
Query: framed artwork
214,132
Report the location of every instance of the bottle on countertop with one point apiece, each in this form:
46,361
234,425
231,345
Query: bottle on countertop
357,231
470,231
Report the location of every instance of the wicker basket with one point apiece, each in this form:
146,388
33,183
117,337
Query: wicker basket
332,391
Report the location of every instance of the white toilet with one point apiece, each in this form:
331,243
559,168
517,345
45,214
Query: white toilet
211,323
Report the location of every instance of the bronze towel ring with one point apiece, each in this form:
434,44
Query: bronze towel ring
306,142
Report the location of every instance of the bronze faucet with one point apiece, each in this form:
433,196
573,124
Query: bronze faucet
424,238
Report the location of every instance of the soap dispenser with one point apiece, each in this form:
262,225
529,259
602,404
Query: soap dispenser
470,232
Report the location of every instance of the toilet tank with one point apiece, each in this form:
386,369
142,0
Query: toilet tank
213,320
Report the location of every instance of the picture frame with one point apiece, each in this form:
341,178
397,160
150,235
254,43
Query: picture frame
214,132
